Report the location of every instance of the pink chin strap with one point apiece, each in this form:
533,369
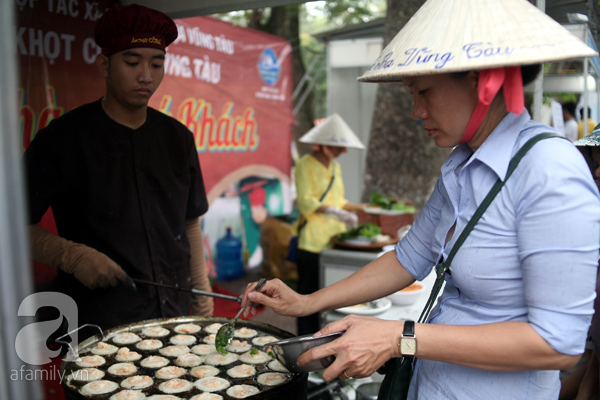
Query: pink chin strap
490,82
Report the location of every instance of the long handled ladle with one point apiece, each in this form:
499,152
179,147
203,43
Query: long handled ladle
225,332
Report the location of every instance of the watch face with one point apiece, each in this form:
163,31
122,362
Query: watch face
408,346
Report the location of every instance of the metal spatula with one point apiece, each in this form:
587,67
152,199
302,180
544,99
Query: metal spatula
225,333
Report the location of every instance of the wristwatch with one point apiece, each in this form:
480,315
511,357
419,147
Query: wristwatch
408,341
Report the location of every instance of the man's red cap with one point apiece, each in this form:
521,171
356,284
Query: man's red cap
127,27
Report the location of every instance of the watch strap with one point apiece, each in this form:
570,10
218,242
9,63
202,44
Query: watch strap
408,336
409,329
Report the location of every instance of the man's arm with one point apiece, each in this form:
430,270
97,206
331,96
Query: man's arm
90,267
203,305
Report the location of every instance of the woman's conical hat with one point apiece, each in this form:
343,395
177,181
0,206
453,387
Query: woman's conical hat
333,132
462,35
593,139
585,146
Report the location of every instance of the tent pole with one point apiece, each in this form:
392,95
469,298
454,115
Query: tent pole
585,96
15,264
586,100
538,92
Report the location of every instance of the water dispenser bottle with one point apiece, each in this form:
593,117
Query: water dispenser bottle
230,264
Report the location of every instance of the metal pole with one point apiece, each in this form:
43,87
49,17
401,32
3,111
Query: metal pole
15,266
307,74
308,89
538,93
597,80
585,94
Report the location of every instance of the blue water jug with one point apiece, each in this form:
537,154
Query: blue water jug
230,264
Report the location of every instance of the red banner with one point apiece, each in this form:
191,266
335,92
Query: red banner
230,86
57,59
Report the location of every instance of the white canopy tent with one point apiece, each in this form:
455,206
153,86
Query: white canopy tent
581,83
191,8
15,277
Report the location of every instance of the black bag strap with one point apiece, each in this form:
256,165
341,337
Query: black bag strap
322,196
444,266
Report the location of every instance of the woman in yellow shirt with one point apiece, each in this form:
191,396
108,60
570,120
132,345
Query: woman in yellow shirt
320,198
590,122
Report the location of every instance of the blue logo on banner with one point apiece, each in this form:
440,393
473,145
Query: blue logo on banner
268,67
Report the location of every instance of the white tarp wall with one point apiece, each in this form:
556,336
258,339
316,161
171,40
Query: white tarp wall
353,101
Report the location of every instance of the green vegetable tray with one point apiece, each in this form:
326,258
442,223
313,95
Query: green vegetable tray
370,246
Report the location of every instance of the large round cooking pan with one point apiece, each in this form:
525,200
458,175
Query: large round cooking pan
293,389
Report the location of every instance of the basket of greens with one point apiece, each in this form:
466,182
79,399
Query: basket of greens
364,235
380,204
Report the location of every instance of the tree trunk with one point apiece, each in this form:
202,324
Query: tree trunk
284,21
402,160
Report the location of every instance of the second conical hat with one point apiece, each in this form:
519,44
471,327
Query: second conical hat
333,132
461,35
593,139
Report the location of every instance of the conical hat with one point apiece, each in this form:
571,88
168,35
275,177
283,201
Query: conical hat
462,35
333,132
593,139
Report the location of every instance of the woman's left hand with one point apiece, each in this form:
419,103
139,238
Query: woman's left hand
367,344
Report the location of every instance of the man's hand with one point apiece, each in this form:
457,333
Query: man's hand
91,267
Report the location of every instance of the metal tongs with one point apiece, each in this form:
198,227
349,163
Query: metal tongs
194,291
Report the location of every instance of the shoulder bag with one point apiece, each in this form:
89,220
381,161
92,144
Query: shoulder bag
292,254
398,371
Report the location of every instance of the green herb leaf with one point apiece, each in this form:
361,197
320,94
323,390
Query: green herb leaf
387,203
367,229
221,342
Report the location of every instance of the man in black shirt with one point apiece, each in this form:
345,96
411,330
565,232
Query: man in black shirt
125,186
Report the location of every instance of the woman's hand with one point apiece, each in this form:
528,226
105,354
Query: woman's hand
355,206
367,344
278,296
349,218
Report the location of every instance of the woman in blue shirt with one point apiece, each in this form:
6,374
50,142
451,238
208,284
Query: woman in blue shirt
517,301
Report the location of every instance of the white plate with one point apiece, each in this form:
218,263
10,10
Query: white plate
371,308
382,211
359,241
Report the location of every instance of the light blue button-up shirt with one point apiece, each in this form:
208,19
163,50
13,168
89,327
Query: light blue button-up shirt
531,257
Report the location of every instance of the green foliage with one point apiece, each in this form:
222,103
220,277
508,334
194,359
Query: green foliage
311,48
560,97
389,203
317,16
321,16
239,18
350,12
